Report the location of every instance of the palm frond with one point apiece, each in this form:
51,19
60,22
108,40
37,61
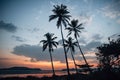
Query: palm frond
44,47
76,44
67,16
69,28
49,42
54,45
66,20
43,41
80,28
67,49
64,23
70,44
58,22
75,28
69,33
77,34
54,38
79,25
61,13
51,17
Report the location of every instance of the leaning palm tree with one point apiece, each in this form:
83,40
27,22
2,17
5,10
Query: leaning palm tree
75,28
61,14
49,43
71,46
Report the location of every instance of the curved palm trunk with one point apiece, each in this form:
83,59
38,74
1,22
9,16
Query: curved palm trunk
52,64
65,52
74,61
83,55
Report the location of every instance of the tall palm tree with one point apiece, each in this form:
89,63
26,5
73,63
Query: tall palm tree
60,12
75,28
71,46
49,43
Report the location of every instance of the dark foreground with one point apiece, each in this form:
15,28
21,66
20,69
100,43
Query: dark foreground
93,76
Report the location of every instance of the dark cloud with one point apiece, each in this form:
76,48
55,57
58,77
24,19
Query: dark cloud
36,54
87,57
116,5
82,40
6,59
7,26
97,37
28,50
112,10
90,46
87,38
19,39
93,44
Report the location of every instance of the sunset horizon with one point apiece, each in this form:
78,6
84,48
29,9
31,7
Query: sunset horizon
17,42
82,35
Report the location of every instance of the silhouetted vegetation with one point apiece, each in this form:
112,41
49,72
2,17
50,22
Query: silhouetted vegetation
19,70
109,55
61,13
75,28
94,76
70,45
49,42
109,61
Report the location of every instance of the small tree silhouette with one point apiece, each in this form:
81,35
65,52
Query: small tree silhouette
70,45
109,55
49,42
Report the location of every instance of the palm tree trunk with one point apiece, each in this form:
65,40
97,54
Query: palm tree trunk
83,55
65,52
74,61
52,64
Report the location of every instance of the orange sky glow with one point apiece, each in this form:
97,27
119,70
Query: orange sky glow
11,60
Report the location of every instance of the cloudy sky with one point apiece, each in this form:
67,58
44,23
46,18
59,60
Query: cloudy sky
24,22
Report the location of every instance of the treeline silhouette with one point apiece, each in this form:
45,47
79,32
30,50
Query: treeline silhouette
109,60
109,55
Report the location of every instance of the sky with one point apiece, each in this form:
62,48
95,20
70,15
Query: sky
24,22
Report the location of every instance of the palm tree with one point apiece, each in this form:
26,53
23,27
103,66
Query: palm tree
49,43
61,14
71,45
75,28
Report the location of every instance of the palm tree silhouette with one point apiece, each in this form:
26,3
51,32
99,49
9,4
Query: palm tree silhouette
76,28
71,45
49,42
61,14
